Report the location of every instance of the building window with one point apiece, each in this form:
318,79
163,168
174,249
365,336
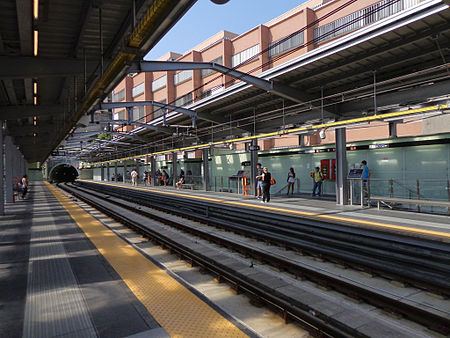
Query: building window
157,111
138,113
206,72
244,56
119,96
182,76
361,18
183,100
285,44
138,90
121,115
159,83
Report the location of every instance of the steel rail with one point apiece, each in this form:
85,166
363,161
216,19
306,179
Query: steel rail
316,238
430,320
301,313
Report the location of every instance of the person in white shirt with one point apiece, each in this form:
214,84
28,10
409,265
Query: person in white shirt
134,176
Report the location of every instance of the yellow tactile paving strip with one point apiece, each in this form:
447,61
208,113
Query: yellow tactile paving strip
295,212
174,307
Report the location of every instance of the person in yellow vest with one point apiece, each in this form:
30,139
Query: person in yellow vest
317,177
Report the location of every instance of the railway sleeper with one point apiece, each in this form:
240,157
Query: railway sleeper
237,287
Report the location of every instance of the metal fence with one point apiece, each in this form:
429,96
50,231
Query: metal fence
361,18
412,189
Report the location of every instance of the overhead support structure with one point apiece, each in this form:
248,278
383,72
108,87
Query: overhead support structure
115,133
114,105
287,92
192,113
19,67
140,124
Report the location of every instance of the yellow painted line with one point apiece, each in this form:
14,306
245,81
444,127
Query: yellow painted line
289,211
174,307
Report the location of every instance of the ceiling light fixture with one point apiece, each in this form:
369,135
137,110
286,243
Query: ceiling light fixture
36,38
36,9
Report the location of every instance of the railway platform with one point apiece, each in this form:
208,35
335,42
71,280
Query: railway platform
64,274
431,226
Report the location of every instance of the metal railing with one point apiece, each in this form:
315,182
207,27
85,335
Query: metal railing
361,18
412,189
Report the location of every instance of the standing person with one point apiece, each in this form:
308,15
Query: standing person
291,180
181,180
266,182
145,178
365,175
259,181
165,177
25,186
134,176
317,179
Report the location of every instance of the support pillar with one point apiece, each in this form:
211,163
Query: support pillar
174,168
115,172
253,162
206,179
137,169
124,172
152,170
102,173
9,158
2,181
108,176
341,167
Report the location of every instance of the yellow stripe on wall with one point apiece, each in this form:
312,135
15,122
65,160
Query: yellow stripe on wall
174,307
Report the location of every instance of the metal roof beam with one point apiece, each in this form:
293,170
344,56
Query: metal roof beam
140,124
287,92
20,67
114,105
194,114
76,136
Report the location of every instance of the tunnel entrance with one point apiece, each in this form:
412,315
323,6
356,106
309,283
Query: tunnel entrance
63,173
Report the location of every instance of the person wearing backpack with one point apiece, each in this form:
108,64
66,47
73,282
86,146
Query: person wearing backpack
317,179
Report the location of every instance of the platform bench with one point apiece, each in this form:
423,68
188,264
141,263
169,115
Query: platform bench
187,186
381,199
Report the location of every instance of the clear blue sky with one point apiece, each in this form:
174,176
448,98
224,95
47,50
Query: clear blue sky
205,19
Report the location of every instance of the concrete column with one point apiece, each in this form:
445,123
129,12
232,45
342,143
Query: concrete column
108,176
124,171
253,162
206,179
139,174
2,170
152,170
174,168
115,171
341,167
9,158
102,173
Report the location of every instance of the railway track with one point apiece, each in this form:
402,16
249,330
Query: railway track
369,251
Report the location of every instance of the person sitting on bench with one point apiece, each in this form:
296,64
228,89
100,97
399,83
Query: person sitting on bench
181,180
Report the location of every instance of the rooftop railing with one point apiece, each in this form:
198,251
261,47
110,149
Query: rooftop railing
361,18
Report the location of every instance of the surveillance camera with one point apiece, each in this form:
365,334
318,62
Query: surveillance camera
322,134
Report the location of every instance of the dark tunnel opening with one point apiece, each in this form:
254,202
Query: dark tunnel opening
63,173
